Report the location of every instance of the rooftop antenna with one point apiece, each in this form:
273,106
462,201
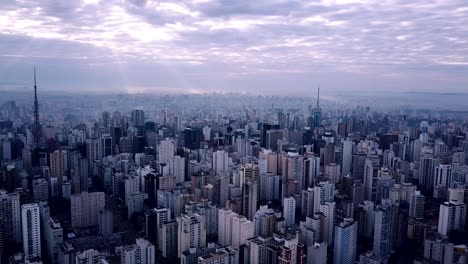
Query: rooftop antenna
318,96
36,112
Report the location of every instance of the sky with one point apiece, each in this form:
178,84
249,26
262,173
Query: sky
260,46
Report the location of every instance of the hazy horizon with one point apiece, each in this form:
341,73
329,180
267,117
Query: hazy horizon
269,47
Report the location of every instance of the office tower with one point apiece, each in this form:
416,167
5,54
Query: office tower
415,150
345,242
265,222
452,216
347,156
307,202
168,238
265,128
416,209
191,232
289,211
329,154
106,145
40,190
138,118
220,162
154,218
269,187
94,149
294,174
437,249
332,172
225,217
323,192
31,228
10,214
177,168
58,163
142,252
131,185
249,199
206,133
106,222
54,238
311,170
85,208
136,203
365,216
359,161
220,189
443,175
192,137
427,165
329,210
242,230
166,150
83,173
384,229
272,137
371,173
209,212
317,253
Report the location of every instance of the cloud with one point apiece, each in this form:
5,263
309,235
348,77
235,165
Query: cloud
202,43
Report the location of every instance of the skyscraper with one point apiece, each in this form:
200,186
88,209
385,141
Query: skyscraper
345,242
85,208
31,228
191,232
10,213
452,216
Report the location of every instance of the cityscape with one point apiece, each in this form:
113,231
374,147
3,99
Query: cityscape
229,178
233,132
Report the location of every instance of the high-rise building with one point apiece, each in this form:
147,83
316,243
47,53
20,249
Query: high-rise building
437,249
136,203
443,175
220,162
142,252
10,215
416,209
383,229
371,173
166,150
138,118
191,232
329,210
40,190
317,253
54,238
452,216
85,208
427,165
249,199
106,222
58,163
31,228
345,242
289,211
168,238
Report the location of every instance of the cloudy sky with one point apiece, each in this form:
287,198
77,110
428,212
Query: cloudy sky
266,46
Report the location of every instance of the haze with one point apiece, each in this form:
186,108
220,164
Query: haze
263,46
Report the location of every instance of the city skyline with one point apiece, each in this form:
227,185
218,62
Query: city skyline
208,45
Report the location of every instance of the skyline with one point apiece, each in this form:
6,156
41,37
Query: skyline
210,46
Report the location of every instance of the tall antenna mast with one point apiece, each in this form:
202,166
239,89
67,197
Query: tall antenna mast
36,113
318,96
